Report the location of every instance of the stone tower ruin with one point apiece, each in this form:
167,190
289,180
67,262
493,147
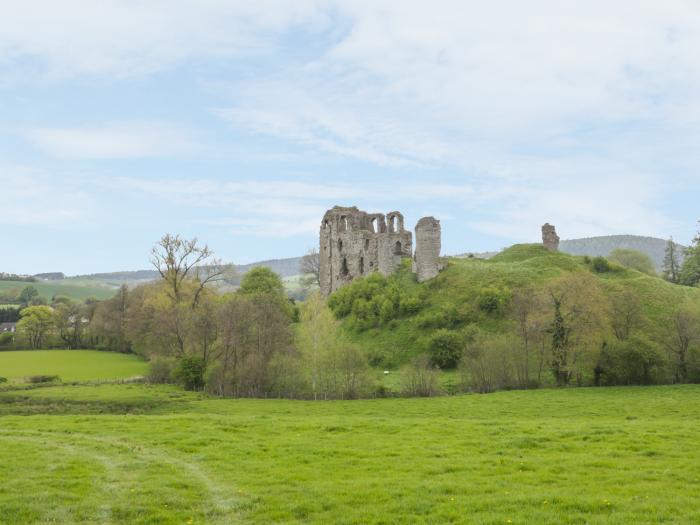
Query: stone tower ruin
354,243
550,239
426,262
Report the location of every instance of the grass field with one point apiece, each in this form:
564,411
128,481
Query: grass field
69,365
78,290
156,455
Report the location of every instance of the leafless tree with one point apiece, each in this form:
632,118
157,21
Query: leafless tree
310,267
177,260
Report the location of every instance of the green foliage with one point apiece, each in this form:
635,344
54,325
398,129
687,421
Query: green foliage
43,379
600,264
635,361
634,260
6,339
494,301
374,301
261,280
3,380
160,370
189,372
445,348
27,295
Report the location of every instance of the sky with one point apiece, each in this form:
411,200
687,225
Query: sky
240,123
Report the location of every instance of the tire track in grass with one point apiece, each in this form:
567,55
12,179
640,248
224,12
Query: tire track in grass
220,496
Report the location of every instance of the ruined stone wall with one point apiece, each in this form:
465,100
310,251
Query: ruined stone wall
354,243
426,262
550,239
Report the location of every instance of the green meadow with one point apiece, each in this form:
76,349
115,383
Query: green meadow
70,365
139,454
75,289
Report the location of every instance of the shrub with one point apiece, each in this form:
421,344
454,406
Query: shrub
493,300
43,379
160,370
420,379
600,265
633,259
3,380
190,372
636,361
6,339
445,348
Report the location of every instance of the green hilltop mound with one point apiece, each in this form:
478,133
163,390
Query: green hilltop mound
395,319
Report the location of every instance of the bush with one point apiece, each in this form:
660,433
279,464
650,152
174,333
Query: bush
636,361
633,259
43,379
445,348
3,380
493,301
600,265
6,338
160,371
190,372
420,379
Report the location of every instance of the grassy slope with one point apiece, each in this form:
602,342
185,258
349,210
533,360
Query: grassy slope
75,289
519,266
615,455
70,365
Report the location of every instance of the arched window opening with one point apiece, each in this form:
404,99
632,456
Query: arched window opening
392,223
362,265
344,267
373,225
397,248
340,245
366,244
342,225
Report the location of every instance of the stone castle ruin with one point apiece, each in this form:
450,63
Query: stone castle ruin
550,239
354,243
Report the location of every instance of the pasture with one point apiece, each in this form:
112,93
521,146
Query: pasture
70,365
155,454
75,289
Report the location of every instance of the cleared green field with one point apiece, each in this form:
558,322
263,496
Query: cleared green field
75,289
147,455
70,365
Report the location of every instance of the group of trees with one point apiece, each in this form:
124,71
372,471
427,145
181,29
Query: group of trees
682,267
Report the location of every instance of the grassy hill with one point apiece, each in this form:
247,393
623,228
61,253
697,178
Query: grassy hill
137,454
76,289
453,300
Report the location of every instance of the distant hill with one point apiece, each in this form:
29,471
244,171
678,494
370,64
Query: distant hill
655,248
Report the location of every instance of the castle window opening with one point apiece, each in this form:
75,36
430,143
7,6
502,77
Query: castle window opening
362,265
397,248
344,267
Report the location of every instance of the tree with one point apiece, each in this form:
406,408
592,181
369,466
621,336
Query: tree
626,314
109,322
527,312
27,295
310,268
36,325
690,271
70,322
577,324
178,260
633,259
316,337
672,265
262,280
683,336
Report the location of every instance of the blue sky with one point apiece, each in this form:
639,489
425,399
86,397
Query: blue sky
242,122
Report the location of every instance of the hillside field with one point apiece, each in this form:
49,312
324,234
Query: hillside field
69,365
75,289
137,454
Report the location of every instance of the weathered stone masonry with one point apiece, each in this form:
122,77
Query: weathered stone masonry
550,239
355,243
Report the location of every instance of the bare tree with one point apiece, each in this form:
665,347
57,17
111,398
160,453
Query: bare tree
627,314
310,267
177,260
684,334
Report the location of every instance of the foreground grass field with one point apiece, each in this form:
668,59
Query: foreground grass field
70,365
140,454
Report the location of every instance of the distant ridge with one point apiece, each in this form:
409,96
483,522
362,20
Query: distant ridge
654,247
288,267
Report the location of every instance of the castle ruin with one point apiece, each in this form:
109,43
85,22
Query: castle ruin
550,239
354,243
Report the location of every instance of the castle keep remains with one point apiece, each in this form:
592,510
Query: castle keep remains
354,243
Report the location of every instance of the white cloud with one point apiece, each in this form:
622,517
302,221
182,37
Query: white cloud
115,141
124,38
